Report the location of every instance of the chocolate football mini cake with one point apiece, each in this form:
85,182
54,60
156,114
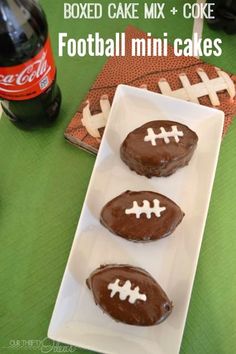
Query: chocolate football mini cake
129,295
158,148
141,216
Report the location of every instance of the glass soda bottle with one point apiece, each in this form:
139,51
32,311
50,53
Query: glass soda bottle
29,93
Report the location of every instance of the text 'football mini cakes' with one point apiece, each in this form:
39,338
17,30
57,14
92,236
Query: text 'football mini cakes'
141,216
129,295
158,148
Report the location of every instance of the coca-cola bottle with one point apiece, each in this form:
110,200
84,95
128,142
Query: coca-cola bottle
28,89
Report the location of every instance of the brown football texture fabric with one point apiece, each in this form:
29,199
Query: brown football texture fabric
151,72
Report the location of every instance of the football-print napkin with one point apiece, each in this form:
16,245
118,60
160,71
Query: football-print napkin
187,78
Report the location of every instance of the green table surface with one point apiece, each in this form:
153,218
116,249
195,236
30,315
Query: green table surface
43,181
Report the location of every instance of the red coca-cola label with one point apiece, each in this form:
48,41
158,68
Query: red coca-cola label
28,80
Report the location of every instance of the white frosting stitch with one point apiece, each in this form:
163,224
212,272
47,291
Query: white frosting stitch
146,209
174,133
126,291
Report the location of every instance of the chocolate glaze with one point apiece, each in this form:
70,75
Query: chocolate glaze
113,217
154,310
162,159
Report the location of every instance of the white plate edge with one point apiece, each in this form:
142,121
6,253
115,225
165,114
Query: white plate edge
220,118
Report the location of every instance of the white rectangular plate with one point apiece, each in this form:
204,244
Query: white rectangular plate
172,261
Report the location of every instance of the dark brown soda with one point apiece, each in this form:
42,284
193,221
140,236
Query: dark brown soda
23,33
